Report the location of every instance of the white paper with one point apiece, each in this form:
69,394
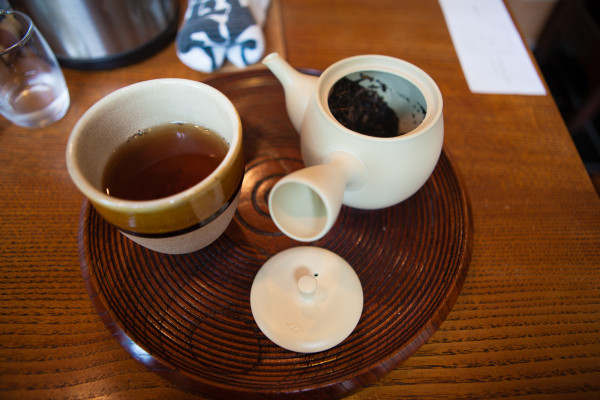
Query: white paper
490,50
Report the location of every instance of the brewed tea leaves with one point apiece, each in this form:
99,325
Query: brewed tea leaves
362,109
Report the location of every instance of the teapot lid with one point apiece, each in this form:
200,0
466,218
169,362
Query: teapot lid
306,299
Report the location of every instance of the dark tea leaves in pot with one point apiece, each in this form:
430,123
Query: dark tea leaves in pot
362,109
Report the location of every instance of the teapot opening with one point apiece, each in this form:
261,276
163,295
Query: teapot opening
376,103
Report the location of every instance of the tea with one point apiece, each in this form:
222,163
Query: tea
163,160
362,109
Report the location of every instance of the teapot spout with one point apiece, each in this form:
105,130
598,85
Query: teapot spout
298,87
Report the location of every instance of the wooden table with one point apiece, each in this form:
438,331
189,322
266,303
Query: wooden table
526,325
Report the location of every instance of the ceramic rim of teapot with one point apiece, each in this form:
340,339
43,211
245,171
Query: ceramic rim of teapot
380,64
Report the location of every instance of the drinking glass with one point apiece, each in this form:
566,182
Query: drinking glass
33,91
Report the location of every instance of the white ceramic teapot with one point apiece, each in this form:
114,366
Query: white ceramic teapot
346,167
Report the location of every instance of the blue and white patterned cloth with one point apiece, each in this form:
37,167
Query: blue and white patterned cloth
213,30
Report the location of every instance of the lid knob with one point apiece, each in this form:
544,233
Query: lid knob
307,285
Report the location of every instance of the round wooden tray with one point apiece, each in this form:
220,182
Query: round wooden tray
188,317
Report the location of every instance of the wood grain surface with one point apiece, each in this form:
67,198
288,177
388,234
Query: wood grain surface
526,324
189,315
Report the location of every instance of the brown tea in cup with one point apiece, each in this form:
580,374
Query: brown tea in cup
163,160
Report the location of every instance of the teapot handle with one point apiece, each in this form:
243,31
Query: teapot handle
305,204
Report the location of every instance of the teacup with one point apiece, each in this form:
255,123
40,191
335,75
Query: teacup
180,223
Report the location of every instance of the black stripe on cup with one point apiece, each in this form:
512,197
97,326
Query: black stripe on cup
191,228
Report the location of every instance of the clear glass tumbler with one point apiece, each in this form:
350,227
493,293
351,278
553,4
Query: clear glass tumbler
33,91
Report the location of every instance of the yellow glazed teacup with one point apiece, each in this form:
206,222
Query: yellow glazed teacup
186,221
